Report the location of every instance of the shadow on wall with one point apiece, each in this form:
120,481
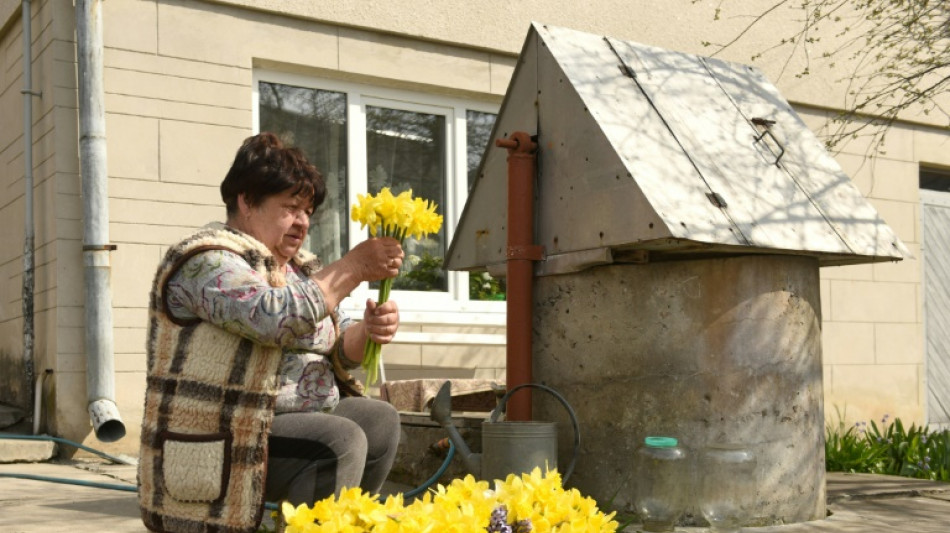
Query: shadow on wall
13,389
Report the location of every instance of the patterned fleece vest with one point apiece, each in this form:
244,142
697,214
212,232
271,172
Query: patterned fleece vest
209,404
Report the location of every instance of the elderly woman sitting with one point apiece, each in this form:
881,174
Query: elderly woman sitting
248,393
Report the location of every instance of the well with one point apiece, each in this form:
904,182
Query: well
712,350
682,210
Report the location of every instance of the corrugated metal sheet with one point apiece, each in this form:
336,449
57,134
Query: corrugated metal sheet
665,153
935,247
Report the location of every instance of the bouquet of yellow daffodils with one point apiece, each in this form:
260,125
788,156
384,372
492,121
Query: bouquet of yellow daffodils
532,502
398,217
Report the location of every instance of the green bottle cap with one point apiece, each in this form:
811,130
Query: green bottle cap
660,442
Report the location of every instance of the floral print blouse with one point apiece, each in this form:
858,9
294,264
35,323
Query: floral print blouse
219,287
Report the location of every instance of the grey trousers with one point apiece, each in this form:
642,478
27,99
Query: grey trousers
314,455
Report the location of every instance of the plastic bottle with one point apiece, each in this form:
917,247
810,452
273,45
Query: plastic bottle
728,489
663,483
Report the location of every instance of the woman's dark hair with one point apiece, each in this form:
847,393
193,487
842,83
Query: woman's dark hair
264,167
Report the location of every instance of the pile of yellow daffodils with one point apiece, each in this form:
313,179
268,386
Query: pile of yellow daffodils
532,502
399,217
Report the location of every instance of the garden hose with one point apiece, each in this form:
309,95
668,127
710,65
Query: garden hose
428,483
271,506
114,459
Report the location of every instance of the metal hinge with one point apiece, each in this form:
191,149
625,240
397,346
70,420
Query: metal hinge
717,199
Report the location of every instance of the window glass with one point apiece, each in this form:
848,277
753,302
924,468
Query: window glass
478,126
934,179
314,121
407,146
407,150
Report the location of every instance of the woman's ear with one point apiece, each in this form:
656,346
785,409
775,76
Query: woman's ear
244,208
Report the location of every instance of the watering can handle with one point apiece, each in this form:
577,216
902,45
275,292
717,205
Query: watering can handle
570,411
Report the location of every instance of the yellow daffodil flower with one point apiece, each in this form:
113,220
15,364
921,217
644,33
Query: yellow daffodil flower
463,506
397,216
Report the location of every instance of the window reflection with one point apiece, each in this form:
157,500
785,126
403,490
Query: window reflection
478,126
404,150
314,121
407,150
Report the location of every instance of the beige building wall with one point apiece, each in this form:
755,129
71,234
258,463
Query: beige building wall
58,291
873,337
179,99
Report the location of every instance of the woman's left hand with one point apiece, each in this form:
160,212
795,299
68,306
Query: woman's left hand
381,321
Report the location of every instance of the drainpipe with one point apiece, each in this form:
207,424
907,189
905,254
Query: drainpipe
38,400
28,231
100,364
521,254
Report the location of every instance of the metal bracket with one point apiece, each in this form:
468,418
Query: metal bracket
570,262
530,252
627,71
717,199
98,247
637,257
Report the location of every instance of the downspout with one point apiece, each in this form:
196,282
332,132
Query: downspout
521,255
29,235
100,363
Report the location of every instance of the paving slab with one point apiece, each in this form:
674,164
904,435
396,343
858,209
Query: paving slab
842,486
867,503
858,503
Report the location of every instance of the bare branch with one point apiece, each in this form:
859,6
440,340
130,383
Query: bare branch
897,52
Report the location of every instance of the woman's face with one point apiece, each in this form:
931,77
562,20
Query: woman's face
280,222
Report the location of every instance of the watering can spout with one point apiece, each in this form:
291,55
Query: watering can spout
442,413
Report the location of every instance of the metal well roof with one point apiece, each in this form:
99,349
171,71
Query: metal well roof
646,154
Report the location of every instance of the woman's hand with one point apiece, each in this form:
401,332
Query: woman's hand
375,259
371,260
381,321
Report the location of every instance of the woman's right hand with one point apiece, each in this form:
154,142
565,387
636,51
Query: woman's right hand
371,260
375,259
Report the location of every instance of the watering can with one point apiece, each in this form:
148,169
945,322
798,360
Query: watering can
507,447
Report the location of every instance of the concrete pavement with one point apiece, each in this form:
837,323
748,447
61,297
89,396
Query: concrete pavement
34,506
857,502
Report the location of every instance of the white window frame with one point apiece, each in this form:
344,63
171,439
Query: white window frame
451,307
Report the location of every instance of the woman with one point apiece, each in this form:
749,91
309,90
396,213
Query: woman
239,312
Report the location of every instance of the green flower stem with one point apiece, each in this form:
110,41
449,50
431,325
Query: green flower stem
372,349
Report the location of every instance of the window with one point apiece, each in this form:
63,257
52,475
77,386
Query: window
363,138
314,121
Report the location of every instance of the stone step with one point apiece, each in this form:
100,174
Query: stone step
26,451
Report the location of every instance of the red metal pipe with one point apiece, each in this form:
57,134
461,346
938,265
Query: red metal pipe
521,254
